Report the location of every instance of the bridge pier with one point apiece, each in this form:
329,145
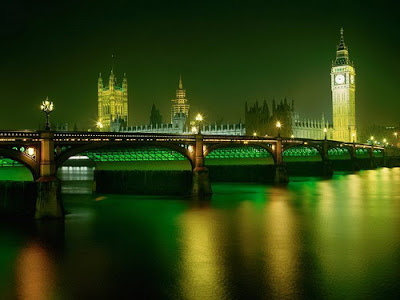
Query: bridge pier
201,180
281,175
327,170
48,203
353,159
373,164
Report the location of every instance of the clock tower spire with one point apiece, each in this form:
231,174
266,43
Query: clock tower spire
343,94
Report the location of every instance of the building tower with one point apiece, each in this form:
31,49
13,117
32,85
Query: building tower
112,102
180,107
343,94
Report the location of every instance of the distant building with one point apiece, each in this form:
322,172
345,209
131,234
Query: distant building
180,106
261,120
343,84
112,103
180,112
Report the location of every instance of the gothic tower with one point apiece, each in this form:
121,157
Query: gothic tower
112,102
179,107
343,87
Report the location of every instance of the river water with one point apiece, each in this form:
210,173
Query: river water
311,239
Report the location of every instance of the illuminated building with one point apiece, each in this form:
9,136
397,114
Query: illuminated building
112,103
261,119
179,108
343,94
180,122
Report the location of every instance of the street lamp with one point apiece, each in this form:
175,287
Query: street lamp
99,125
353,136
199,120
47,107
279,125
372,139
325,133
254,133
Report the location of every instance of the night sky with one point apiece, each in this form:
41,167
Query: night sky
228,52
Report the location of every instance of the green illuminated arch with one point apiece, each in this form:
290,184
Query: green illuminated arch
14,170
239,155
339,153
378,153
362,153
134,154
299,153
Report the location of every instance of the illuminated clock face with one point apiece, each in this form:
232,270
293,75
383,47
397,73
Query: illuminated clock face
352,79
339,79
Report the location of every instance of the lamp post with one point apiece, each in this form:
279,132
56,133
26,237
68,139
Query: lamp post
353,137
325,133
47,107
279,125
199,120
99,125
372,139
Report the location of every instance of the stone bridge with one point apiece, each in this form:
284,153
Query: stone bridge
43,152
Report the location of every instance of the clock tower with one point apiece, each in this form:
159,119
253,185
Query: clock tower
343,86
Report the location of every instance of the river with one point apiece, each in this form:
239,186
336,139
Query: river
312,239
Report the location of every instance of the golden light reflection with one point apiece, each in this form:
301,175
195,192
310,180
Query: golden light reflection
35,273
203,272
282,245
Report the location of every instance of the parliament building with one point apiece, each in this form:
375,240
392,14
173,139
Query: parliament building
260,119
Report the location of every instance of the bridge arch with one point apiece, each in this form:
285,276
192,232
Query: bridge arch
340,153
215,147
302,150
64,156
26,161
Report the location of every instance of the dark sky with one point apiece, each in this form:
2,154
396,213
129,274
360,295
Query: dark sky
227,51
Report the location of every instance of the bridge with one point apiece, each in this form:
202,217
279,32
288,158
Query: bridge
44,152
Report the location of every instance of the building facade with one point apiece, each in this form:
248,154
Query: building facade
180,123
112,103
180,106
343,85
261,120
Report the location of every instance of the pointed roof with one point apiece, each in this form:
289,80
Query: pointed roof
342,45
342,52
180,82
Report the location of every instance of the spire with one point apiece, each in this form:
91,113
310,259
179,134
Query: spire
342,45
342,52
180,82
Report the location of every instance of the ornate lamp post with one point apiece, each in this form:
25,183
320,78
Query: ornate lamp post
199,120
325,133
372,139
47,107
353,136
279,125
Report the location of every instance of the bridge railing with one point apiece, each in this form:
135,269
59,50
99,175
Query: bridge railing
84,136
12,136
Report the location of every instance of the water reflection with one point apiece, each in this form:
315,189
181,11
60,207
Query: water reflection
311,239
35,272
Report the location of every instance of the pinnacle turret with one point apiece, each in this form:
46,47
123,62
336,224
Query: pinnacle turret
342,45
180,82
342,52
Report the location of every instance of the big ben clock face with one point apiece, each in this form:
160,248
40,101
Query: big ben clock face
339,79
